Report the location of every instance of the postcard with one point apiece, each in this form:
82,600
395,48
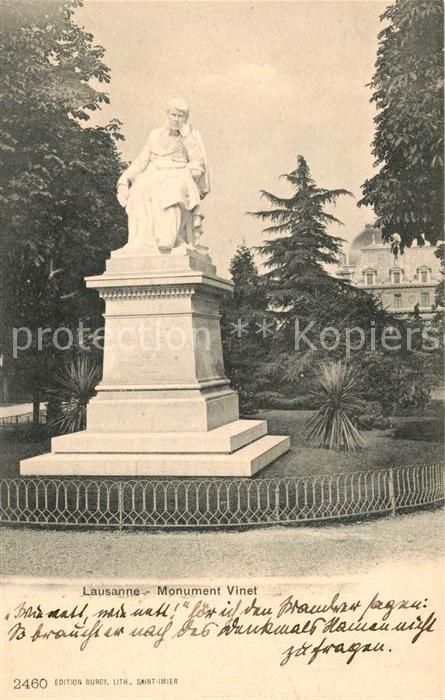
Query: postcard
222,394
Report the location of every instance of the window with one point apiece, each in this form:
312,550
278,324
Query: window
397,301
424,299
369,276
424,276
396,277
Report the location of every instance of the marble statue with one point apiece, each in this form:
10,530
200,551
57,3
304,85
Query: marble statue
162,189
164,406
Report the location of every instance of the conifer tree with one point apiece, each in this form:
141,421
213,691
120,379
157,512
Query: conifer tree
246,340
299,249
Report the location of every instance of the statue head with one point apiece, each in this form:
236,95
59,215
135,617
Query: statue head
177,113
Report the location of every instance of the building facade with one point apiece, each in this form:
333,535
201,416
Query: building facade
402,282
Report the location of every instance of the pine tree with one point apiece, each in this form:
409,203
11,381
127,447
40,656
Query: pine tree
297,281
246,340
248,291
301,291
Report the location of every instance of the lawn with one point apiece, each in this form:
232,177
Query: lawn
219,502
382,450
20,444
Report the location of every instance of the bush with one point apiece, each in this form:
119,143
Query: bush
430,429
26,432
274,400
335,425
397,381
434,409
372,417
74,387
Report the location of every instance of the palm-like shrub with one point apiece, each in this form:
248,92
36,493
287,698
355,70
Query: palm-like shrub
334,426
74,386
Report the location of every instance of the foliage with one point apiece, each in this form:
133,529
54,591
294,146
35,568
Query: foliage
275,400
297,282
304,459
430,429
397,380
323,319
371,416
248,289
334,426
304,295
60,217
439,298
407,191
74,387
244,346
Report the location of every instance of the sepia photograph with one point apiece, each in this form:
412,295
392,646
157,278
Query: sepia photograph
222,395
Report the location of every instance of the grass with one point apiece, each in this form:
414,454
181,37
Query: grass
20,444
219,501
303,459
381,450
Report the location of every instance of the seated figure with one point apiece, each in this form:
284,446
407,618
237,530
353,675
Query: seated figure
162,188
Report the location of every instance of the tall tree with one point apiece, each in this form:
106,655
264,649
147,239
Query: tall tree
59,214
319,317
297,280
246,335
407,191
248,291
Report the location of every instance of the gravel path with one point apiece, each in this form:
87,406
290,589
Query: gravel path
277,551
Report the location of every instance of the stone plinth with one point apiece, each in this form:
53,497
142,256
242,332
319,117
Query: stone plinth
164,405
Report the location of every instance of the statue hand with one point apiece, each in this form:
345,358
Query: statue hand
185,130
122,193
196,171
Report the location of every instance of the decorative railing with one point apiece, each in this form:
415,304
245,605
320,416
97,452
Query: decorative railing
223,502
21,419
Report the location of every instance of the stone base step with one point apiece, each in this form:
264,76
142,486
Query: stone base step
128,260
227,439
245,462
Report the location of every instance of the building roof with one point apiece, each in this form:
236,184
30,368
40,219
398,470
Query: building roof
368,236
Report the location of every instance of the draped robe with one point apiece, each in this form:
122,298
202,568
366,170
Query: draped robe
167,180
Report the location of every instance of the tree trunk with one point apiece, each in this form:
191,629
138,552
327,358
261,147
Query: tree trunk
36,407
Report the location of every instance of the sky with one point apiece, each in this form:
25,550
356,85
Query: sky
265,82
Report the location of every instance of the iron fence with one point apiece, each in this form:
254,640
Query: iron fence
223,502
10,422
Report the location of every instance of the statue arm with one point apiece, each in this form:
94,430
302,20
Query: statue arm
130,174
137,166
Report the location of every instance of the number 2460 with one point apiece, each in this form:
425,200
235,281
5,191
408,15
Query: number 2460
30,683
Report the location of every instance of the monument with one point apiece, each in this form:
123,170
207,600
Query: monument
164,405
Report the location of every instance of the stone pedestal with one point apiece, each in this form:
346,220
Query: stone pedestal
164,405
